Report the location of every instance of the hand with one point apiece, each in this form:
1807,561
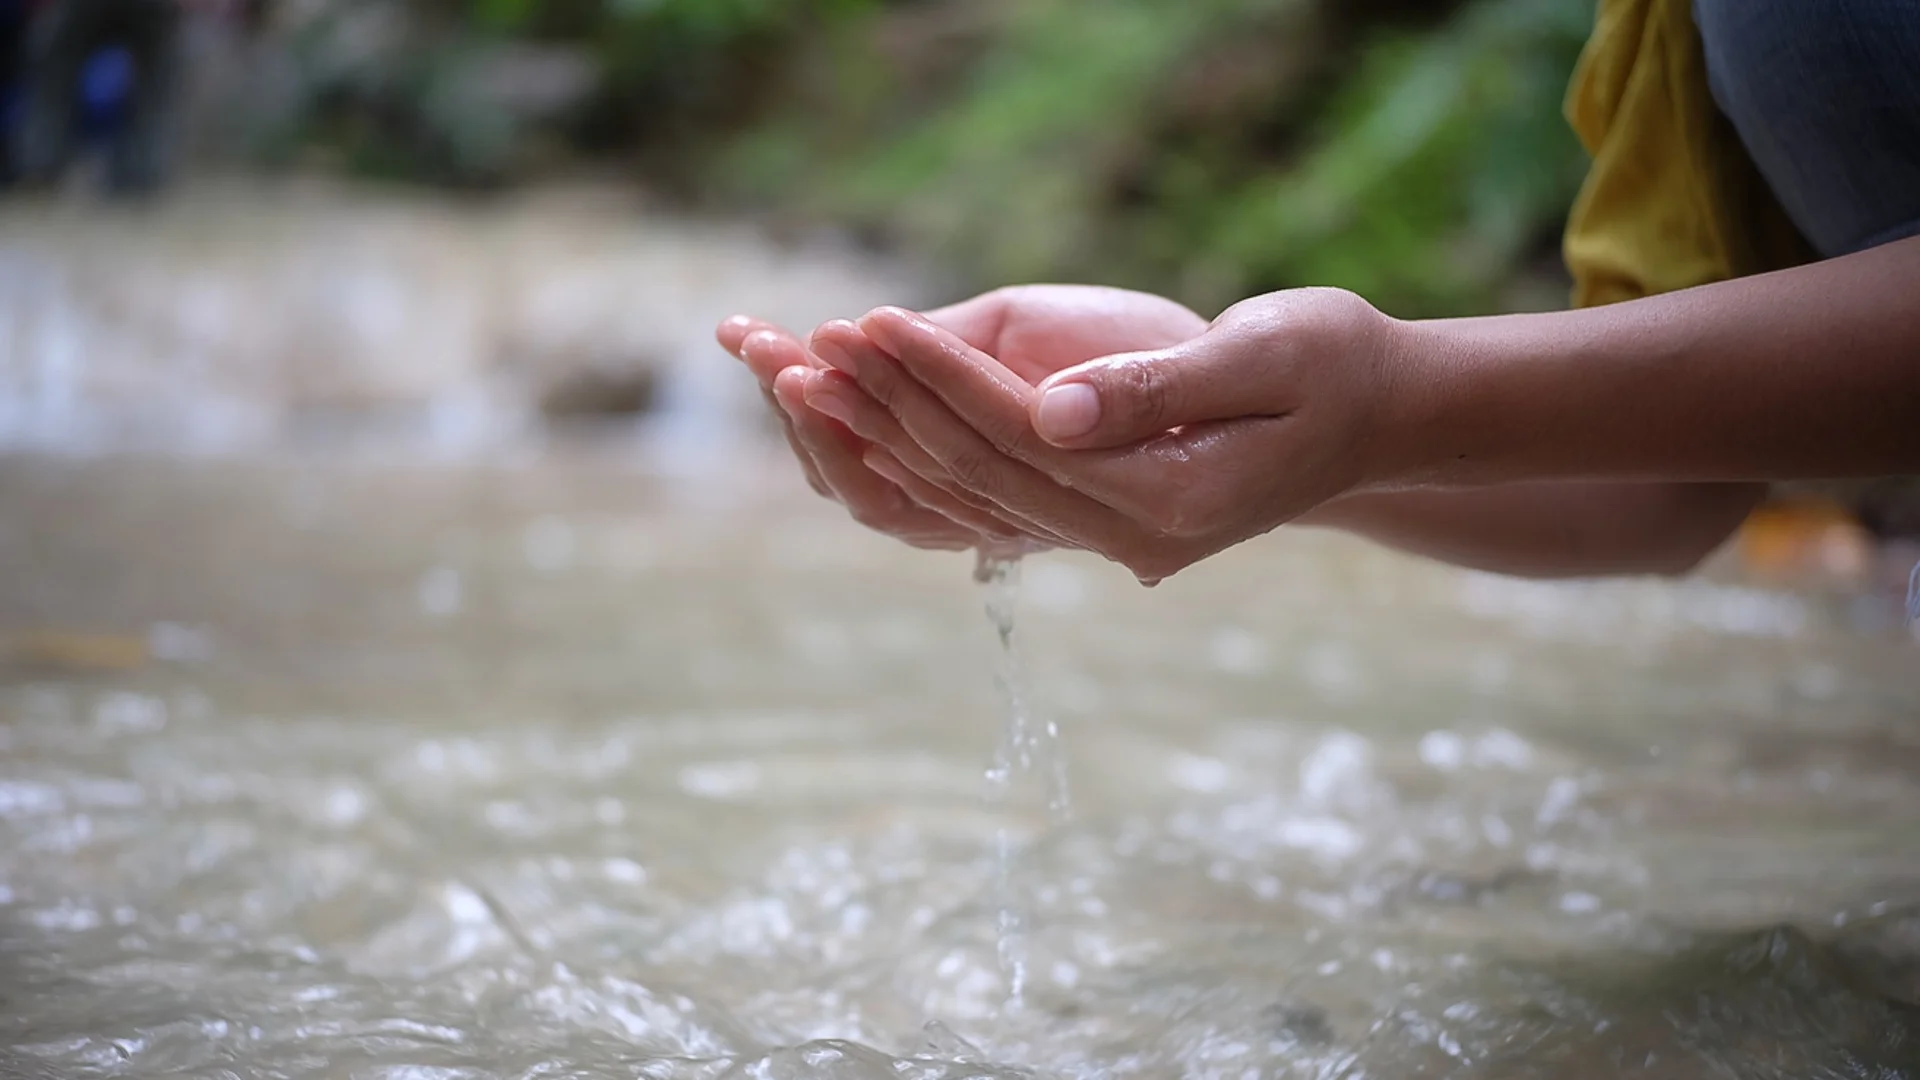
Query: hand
829,454
1034,330
1155,459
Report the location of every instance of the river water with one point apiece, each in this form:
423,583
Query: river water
545,760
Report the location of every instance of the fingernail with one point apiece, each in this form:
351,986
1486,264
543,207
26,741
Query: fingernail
832,405
758,341
836,358
1068,411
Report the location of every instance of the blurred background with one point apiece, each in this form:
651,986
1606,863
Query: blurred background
1211,150
420,657
205,180
508,215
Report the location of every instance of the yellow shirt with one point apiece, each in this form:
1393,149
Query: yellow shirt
1672,200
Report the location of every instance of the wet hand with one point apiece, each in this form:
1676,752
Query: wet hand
1034,330
1155,458
830,455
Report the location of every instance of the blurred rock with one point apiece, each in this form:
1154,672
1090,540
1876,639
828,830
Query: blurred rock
600,392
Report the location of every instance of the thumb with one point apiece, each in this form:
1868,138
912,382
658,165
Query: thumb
1120,400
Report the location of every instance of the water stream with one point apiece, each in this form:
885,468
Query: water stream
1028,760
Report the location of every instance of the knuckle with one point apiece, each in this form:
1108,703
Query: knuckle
1151,393
1012,436
972,470
1344,316
977,500
943,480
947,481
1331,320
882,385
959,493
1251,307
1268,311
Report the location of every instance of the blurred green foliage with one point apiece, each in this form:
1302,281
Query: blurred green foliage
1207,149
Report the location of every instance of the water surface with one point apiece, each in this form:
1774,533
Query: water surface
352,725
337,766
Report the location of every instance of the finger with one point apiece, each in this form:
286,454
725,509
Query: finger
872,499
979,321
808,467
939,500
984,392
1123,400
983,395
1103,403
832,393
927,493
732,332
962,452
735,333
991,322
1077,323
839,395
767,351
928,484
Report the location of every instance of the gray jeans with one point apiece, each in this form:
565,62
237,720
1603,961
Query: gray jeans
1826,97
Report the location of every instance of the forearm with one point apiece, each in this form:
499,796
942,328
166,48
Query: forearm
1553,530
1807,373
